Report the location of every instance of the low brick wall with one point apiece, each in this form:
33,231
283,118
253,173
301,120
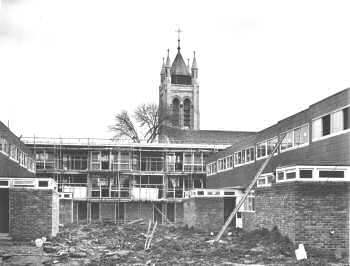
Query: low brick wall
315,214
34,213
204,213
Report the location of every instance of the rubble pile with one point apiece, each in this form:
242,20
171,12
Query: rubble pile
109,244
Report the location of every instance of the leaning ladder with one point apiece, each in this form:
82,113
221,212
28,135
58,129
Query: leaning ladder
250,187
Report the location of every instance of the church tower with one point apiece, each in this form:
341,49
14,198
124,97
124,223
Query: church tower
179,91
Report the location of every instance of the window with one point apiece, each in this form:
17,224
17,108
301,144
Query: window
317,129
211,168
265,148
329,124
250,154
176,112
291,175
95,161
13,151
271,145
331,174
280,176
326,125
249,204
261,182
225,163
244,156
260,150
43,184
346,118
305,173
187,113
295,138
287,142
337,121
4,146
266,180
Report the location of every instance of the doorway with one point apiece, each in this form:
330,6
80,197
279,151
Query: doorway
229,205
4,210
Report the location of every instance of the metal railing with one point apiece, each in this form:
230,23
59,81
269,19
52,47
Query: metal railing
121,165
139,192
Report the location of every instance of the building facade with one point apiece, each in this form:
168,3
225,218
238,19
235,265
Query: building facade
304,190
28,206
104,181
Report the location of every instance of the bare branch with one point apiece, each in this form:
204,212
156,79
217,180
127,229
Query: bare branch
124,127
149,118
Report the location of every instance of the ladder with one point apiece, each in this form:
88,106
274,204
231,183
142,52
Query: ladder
250,187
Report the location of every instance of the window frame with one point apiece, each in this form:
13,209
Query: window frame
235,155
293,138
266,149
331,134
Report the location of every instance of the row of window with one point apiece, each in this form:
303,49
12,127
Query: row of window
124,160
333,123
16,154
312,173
225,163
244,156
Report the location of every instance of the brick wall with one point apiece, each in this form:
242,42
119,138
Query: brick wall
66,211
315,214
33,213
249,221
276,206
204,213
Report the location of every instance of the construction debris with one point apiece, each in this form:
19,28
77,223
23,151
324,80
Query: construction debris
109,244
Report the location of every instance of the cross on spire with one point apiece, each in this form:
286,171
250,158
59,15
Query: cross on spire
178,38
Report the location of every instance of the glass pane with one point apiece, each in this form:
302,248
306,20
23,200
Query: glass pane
317,129
291,175
346,118
326,125
337,122
252,154
270,145
197,158
287,143
331,174
280,175
305,173
188,158
261,149
243,156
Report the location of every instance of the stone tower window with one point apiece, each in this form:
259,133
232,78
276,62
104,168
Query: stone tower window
176,112
187,113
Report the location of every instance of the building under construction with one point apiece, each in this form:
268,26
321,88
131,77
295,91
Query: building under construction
100,181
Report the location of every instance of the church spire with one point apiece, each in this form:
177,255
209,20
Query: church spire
163,68
168,63
194,62
178,39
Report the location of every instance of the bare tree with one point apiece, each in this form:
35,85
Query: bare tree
149,118
124,127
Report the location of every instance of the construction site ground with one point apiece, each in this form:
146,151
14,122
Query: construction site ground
110,244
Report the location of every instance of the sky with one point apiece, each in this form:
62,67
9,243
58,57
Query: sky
67,67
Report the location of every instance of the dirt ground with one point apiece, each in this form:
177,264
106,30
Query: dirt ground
109,244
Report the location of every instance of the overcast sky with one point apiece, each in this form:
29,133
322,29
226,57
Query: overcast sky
68,66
